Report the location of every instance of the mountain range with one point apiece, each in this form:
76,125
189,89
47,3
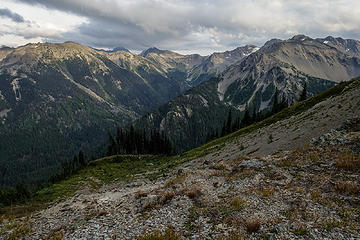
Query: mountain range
57,99
279,66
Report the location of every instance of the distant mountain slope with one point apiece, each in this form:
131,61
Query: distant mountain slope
113,50
5,51
283,65
286,65
348,46
195,68
56,99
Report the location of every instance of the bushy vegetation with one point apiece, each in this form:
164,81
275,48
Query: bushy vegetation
19,194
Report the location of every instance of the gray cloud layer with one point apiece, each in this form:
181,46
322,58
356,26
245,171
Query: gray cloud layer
5,12
204,25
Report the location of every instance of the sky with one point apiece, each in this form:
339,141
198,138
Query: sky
185,26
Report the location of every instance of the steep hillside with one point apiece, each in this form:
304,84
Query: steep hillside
58,99
348,46
279,66
286,65
301,183
188,118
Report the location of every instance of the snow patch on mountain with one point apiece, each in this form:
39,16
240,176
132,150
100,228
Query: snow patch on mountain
16,89
204,101
3,113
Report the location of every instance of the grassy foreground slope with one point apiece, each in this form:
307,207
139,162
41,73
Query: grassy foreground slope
219,188
126,168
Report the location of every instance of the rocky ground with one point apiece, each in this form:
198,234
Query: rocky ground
311,192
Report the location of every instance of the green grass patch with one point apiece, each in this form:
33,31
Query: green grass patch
102,171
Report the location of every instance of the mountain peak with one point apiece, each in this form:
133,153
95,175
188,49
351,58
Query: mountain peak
120,49
248,47
116,49
300,37
272,41
4,47
151,50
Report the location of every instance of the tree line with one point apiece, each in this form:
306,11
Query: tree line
138,141
131,141
232,124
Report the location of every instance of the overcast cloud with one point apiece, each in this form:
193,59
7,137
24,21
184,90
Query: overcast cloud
201,26
4,12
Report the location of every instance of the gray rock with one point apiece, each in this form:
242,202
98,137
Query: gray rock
251,164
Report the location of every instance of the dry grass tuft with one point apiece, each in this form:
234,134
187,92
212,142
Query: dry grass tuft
238,204
234,236
140,194
252,225
347,187
330,224
175,181
316,195
240,174
166,197
58,235
17,230
266,192
193,192
217,173
348,161
219,166
169,234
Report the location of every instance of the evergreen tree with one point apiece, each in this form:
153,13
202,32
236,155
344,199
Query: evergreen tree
303,95
284,103
278,106
136,141
82,160
223,129
275,107
236,125
254,116
228,123
246,119
22,192
112,145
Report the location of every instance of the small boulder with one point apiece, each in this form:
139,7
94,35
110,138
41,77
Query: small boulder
251,164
